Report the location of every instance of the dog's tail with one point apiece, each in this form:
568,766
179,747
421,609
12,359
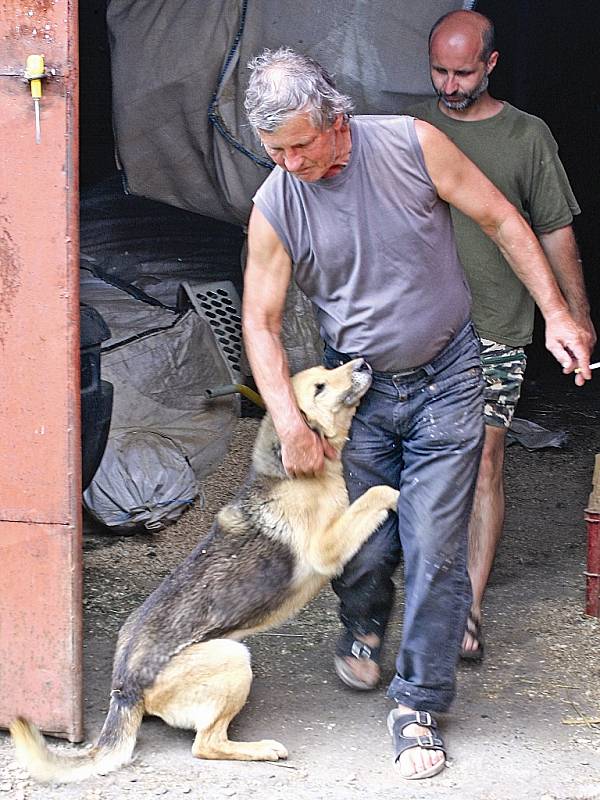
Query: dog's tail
113,749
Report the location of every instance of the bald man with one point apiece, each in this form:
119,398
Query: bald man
517,152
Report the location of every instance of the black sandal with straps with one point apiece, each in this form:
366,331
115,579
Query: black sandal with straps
397,723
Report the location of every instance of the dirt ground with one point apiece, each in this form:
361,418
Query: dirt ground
526,723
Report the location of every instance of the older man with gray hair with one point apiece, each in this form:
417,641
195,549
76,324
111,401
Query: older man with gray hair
356,210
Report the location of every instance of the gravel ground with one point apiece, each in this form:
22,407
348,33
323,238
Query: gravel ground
526,722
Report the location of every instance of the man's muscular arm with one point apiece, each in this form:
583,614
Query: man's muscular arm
266,278
562,252
459,182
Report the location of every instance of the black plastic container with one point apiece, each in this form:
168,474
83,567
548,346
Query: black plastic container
96,394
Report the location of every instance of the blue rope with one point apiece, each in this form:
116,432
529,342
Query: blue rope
213,114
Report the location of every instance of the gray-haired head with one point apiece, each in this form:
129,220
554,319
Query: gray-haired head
284,83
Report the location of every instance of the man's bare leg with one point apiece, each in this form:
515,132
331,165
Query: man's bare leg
487,520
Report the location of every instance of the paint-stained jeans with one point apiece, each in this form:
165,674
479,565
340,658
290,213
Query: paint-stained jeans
421,432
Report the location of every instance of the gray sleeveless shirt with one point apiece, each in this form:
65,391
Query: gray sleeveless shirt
373,248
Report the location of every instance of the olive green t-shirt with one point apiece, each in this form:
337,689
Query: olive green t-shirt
519,155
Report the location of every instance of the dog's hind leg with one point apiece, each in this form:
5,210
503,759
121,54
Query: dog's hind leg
203,688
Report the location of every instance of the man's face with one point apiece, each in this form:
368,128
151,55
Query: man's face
458,74
307,152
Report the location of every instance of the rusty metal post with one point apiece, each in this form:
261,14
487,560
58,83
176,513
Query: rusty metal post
592,573
40,443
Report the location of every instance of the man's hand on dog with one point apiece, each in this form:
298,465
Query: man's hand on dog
303,452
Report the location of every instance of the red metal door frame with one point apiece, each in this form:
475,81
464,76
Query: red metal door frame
40,452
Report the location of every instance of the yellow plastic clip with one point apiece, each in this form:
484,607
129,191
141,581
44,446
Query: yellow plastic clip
35,72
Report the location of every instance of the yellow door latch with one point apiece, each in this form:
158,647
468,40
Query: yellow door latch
35,73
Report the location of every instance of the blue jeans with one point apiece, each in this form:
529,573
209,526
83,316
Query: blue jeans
421,432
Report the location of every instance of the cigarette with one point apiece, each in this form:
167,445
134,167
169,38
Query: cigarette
592,366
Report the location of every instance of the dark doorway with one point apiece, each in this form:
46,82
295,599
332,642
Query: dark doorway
547,67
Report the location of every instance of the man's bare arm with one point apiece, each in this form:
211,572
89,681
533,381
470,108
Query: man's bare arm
560,247
459,182
266,279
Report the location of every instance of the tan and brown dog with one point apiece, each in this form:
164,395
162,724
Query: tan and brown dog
269,551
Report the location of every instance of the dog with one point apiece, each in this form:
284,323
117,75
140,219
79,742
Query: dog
268,552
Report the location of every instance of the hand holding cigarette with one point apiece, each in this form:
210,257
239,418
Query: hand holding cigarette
592,366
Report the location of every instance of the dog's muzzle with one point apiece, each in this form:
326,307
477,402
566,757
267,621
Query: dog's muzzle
362,376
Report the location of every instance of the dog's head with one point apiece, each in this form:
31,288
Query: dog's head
328,398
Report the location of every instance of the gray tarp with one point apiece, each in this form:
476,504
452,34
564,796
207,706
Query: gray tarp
165,435
176,64
154,246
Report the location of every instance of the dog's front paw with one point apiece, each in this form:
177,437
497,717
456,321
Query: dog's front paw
384,497
269,750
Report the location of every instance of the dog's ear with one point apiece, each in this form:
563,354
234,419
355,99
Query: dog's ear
276,469
266,456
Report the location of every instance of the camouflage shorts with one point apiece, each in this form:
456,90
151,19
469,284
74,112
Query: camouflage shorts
503,371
